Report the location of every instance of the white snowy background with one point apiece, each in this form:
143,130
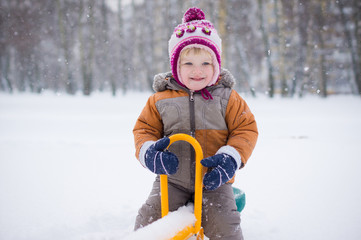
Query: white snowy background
68,171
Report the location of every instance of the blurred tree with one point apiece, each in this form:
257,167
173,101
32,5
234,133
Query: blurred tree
222,28
148,42
267,47
281,46
273,46
303,15
354,50
66,45
86,44
24,20
5,82
124,50
320,29
356,7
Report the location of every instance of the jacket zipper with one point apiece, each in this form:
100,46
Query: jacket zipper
192,114
193,134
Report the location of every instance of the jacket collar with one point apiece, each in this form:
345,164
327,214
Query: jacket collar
165,81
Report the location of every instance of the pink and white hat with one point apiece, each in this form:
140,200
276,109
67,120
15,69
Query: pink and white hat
195,31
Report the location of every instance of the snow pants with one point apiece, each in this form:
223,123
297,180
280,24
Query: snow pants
220,218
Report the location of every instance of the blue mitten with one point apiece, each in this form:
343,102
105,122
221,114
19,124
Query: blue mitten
159,161
224,167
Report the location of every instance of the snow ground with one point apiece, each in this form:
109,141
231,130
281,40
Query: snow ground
68,171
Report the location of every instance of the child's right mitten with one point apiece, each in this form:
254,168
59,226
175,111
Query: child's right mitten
159,160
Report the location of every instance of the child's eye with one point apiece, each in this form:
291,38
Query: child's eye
206,63
188,63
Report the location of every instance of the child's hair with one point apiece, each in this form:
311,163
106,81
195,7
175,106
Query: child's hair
195,50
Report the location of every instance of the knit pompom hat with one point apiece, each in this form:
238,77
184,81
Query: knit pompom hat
195,31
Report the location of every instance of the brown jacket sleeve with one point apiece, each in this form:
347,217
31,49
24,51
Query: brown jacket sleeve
242,127
148,126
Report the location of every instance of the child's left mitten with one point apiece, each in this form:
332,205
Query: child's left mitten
160,161
224,167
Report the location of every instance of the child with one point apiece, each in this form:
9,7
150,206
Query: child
196,98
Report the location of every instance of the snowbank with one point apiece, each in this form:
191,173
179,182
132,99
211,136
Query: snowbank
68,171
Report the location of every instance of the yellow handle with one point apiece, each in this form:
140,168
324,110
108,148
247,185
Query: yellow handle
198,180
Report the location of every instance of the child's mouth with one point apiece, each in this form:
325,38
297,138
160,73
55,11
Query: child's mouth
197,79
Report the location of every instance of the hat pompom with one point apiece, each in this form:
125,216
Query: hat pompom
193,14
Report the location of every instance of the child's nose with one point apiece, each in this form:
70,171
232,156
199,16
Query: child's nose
197,70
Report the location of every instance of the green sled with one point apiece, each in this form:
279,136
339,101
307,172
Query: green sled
240,198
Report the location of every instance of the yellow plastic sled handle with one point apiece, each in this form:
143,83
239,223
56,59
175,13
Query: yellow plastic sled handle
196,229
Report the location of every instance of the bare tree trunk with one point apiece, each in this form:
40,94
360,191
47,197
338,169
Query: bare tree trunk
267,51
148,43
90,61
320,21
105,61
124,51
222,29
303,21
280,40
81,43
5,66
161,36
87,57
34,77
5,55
357,21
244,65
69,81
348,36
21,58
354,58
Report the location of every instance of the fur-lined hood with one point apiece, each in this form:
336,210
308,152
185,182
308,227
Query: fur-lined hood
164,81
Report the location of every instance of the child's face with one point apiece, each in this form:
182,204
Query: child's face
196,69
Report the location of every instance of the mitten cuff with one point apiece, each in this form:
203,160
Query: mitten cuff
231,151
143,150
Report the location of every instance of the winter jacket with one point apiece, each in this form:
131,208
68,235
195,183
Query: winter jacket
222,124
